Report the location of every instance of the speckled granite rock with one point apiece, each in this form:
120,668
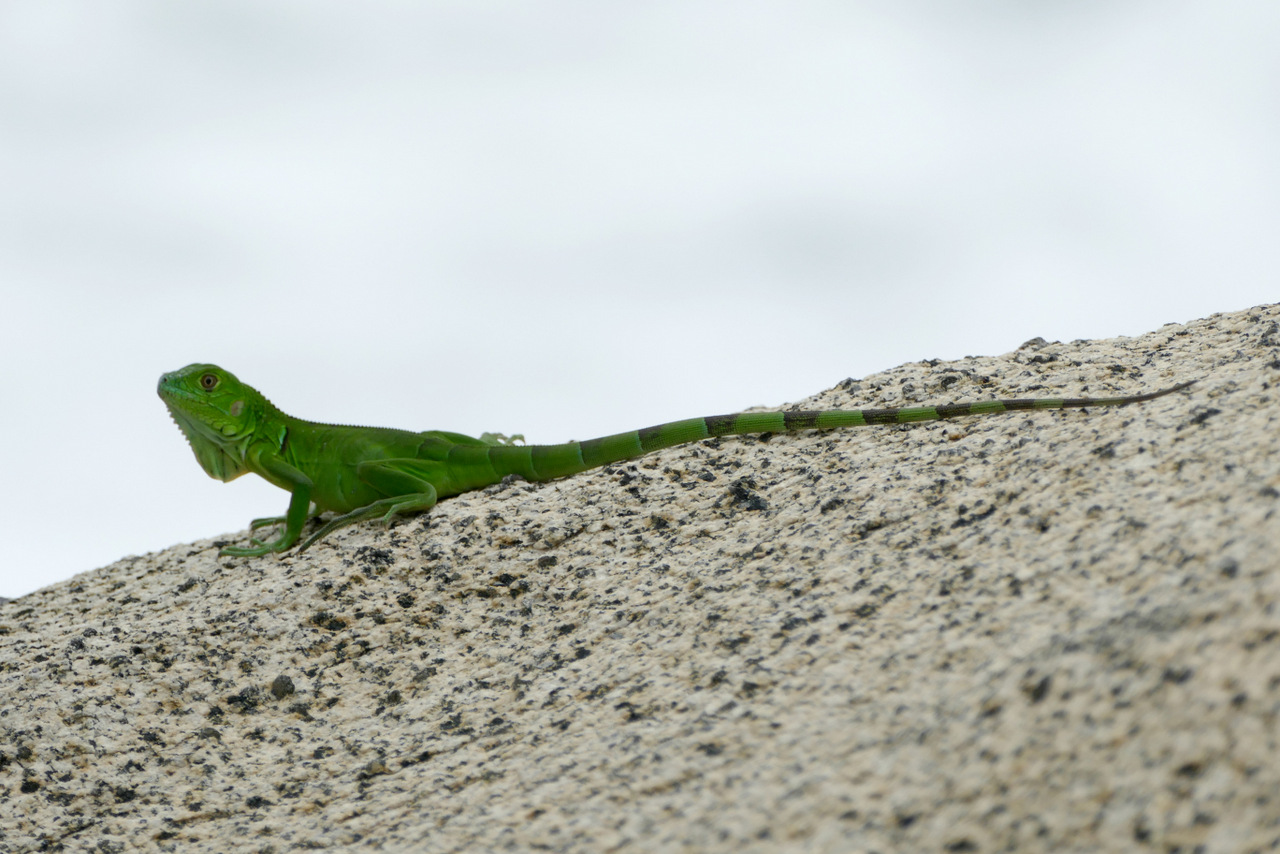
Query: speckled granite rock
1035,632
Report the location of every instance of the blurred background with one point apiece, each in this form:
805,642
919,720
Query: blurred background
572,218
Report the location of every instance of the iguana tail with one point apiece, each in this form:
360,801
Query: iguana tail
547,462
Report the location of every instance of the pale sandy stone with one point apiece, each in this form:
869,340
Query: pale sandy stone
1035,632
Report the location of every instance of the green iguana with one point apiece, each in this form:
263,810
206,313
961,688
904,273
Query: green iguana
370,472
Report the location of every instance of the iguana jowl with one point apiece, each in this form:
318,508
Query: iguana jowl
366,473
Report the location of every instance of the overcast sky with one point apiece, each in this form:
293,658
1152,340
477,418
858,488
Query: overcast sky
570,218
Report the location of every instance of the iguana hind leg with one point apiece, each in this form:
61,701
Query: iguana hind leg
386,508
502,438
404,481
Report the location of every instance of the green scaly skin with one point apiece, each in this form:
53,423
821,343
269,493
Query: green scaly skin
364,473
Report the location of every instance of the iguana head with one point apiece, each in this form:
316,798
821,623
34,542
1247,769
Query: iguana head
216,412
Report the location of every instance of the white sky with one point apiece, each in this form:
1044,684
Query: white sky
571,218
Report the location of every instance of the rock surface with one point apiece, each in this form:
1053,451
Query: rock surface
1045,631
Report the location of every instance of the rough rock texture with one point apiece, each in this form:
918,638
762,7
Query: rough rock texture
1047,631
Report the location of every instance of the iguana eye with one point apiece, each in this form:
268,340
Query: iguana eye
209,382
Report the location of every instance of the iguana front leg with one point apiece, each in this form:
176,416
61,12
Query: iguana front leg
264,460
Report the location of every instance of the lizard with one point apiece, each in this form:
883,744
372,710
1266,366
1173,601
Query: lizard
366,473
